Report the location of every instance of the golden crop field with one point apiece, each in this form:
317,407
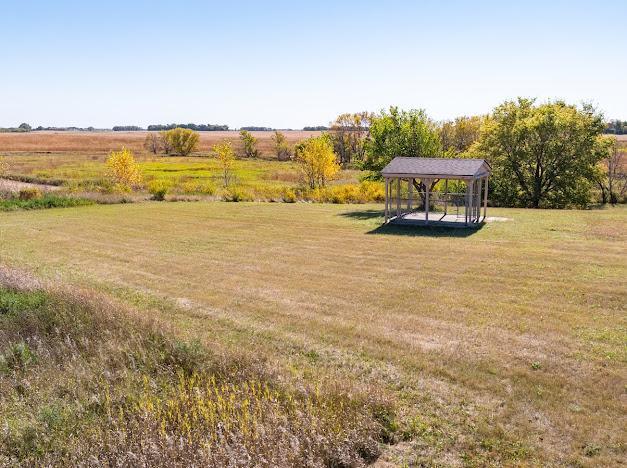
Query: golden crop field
48,141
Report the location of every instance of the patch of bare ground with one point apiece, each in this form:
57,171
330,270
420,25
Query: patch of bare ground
12,186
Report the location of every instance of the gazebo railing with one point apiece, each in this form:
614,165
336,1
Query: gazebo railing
439,202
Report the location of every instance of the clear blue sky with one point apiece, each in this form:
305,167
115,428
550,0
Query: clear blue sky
289,64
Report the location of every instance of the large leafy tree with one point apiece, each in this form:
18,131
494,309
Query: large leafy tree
542,155
458,135
400,133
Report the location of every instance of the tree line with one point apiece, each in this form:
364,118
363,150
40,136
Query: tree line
543,155
616,127
190,126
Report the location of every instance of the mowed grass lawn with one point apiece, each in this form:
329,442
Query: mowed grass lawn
507,345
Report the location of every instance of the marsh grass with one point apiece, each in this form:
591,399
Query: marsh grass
86,381
40,202
253,179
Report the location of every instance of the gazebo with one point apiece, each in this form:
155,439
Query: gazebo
410,197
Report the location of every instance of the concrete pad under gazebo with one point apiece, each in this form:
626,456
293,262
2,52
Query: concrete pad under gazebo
418,204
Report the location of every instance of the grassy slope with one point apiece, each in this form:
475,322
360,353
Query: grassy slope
85,381
504,345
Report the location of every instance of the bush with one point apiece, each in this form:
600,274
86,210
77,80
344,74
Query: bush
30,194
365,192
181,140
199,187
46,201
123,170
372,191
250,144
159,189
16,357
236,194
289,195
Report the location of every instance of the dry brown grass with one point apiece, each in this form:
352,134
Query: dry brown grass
100,142
502,347
86,381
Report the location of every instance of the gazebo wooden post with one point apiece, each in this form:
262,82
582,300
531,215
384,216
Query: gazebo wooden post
479,197
478,200
467,201
410,183
445,196
427,182
387,196
398,197
485,199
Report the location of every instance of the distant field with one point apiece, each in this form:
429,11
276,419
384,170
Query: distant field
76,160
107,141
504,346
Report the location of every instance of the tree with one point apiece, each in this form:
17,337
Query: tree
611,177
250,144
151,143
349,133
616,127
541,155
25,127
123,170
164,142
127,128
400,133
458,135
317,160
282,149
226,158
181,140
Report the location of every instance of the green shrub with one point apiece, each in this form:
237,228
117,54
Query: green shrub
17,357
159,189
12,302
47,201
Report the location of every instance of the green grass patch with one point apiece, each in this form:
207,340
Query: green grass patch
44,202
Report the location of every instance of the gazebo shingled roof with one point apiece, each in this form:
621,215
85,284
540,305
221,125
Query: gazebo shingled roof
455,168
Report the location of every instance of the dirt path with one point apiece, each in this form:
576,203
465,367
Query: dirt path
7,185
